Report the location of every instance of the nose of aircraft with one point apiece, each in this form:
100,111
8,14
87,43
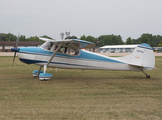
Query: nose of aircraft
15,49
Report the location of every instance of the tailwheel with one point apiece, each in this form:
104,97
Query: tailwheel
147,76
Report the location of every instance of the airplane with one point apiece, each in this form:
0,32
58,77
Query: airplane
70,54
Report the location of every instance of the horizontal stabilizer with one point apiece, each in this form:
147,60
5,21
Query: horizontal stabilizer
137,65
143,67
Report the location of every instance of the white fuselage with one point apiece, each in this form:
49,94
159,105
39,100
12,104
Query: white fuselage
85,60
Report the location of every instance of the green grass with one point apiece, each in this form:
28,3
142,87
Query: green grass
79,95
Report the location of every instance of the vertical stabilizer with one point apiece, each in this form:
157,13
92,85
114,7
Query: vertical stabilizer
142,56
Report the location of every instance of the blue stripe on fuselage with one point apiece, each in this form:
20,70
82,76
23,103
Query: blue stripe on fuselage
83,54
27,61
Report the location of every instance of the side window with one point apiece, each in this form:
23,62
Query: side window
74,52
64,50
69,51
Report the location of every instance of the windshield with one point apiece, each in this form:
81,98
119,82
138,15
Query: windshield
47,45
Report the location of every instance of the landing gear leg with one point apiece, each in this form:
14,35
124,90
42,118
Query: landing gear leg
147,76
39,71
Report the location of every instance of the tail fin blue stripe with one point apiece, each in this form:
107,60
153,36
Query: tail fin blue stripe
146,45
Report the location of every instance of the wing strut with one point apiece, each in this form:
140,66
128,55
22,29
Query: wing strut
45,66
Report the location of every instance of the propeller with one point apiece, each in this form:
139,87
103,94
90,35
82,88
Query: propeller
15,49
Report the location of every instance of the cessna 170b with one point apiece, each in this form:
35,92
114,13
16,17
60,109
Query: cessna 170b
69,54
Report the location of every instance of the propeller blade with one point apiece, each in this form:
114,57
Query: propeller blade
14,58
15,49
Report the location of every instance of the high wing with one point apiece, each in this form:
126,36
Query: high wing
71,43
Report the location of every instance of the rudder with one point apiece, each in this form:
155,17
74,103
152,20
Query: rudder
143,56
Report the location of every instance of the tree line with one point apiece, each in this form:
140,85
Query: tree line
152,40
11,37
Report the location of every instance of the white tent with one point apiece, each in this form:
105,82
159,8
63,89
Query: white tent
117,48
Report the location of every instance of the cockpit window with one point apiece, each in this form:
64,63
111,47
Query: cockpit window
64,50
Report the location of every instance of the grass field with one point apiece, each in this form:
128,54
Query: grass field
79,95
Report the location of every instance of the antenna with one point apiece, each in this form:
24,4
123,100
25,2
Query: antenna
67,33
69,29
2,35
9,34
62,35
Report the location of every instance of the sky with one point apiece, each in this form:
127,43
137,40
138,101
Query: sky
128,18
